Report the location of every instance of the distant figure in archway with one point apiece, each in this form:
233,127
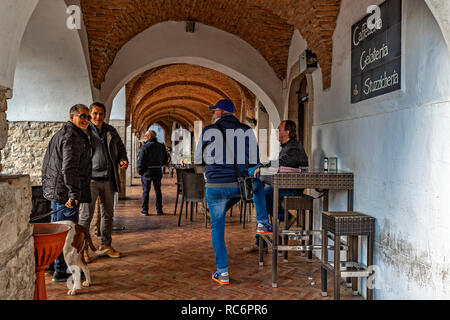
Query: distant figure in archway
152,157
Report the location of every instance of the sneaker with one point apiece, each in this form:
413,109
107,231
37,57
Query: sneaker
60,276
264,229
222,278
110,251
253,248
144,214
160,213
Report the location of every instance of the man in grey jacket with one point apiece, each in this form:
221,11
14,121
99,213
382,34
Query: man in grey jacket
108,154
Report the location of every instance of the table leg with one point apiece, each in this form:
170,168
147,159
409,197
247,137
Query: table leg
370,249
350,257
261,251
350,200
310,242
286,222
337,272
303,229
324,261
355,247
275,238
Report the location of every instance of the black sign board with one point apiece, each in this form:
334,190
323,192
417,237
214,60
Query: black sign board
376,53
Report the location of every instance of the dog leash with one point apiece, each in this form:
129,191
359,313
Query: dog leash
46,215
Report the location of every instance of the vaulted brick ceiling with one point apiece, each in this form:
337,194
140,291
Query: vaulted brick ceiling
181,93
267,25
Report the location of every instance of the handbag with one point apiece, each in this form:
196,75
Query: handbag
245,183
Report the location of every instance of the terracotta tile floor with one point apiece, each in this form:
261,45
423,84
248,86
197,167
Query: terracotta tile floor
163,261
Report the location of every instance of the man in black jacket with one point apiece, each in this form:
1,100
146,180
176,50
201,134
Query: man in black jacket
152,157
66,173
108,154
292,155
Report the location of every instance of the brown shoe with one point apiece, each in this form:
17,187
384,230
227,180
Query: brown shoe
253,248
110,251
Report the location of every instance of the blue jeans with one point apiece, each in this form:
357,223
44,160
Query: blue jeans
263,198
220,200
63,215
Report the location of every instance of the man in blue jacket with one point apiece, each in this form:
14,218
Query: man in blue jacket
152,158
222,189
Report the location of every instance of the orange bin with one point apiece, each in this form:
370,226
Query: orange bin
49,239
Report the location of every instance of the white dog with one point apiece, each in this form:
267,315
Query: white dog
73,254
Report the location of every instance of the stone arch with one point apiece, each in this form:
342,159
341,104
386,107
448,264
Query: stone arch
50,75
15,15
207,82
200,113
208,47
441,12
176,117
188,113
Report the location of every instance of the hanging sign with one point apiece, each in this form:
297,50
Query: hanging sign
376,52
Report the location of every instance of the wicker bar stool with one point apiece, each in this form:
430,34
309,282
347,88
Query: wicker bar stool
352,225
300,204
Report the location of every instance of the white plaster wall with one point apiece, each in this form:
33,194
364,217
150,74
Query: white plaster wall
168,43
51,73
14,18
397,146
119,106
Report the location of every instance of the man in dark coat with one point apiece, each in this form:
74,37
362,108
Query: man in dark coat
292,155
66,173
152,157
108,154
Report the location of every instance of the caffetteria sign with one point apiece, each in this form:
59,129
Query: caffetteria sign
376,52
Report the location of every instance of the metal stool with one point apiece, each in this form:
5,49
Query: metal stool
301,204
352,225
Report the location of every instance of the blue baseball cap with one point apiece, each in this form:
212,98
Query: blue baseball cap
226,105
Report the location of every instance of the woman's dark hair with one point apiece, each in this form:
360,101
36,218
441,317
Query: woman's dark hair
97,105
290,126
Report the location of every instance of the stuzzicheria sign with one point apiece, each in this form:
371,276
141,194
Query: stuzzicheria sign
376,52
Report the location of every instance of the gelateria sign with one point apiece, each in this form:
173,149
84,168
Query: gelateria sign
377,52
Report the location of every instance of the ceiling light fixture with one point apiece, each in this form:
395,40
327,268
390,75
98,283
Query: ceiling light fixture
190,26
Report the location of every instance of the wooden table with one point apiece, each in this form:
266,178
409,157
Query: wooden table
308,179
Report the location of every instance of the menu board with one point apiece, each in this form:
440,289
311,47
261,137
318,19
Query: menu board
377,53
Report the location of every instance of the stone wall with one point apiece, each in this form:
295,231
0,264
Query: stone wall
17,262
25,150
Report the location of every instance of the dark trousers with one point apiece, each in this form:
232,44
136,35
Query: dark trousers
66,214
146,186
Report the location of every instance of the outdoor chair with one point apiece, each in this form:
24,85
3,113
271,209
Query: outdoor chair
244,205
193,191
179,171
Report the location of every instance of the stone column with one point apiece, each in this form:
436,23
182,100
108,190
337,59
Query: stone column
120,126
17,262
4,94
